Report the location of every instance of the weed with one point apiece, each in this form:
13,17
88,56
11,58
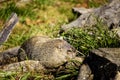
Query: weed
11,7
85,39
74,1
7,75
42,4
18,38
95,3
69,72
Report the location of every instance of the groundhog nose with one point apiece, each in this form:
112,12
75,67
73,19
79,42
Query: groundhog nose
69,51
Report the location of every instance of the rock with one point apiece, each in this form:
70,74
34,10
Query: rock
24,66
83,10
8,27
117,77
85,73
50,52
4,34
117,31
104,63
111,54
109,14
7,55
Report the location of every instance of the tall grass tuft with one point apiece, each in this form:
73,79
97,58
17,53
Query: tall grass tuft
85,39
10,7
42,4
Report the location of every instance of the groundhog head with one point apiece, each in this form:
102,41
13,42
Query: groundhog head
51,53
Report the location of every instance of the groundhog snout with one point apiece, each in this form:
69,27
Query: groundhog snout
70,49
71,52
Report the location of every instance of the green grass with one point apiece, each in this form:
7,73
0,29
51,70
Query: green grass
69,72
11,7
88,38
95,3
44,17
90,3
42,4
19,37
23,76
74,1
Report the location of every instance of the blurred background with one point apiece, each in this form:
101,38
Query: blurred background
40,17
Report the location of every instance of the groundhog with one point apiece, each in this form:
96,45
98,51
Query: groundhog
50,52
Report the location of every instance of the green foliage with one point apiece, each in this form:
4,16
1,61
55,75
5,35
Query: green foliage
19,76
11,7
93,3
7,75
25,76
43,3
74,1
70,72
90,3
18,38
85,39
68,13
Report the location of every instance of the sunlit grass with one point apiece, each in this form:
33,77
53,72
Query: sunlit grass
11,7
88,38
44,17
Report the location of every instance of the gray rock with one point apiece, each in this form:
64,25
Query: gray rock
117,31
104,63
4,34
111,54
109,14
8,27
24,66
85,73
7,55
50,52
101,64
117,77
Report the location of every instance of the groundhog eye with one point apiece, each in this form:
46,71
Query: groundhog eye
68,51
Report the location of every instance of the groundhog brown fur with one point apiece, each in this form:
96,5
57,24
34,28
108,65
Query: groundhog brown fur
50,52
